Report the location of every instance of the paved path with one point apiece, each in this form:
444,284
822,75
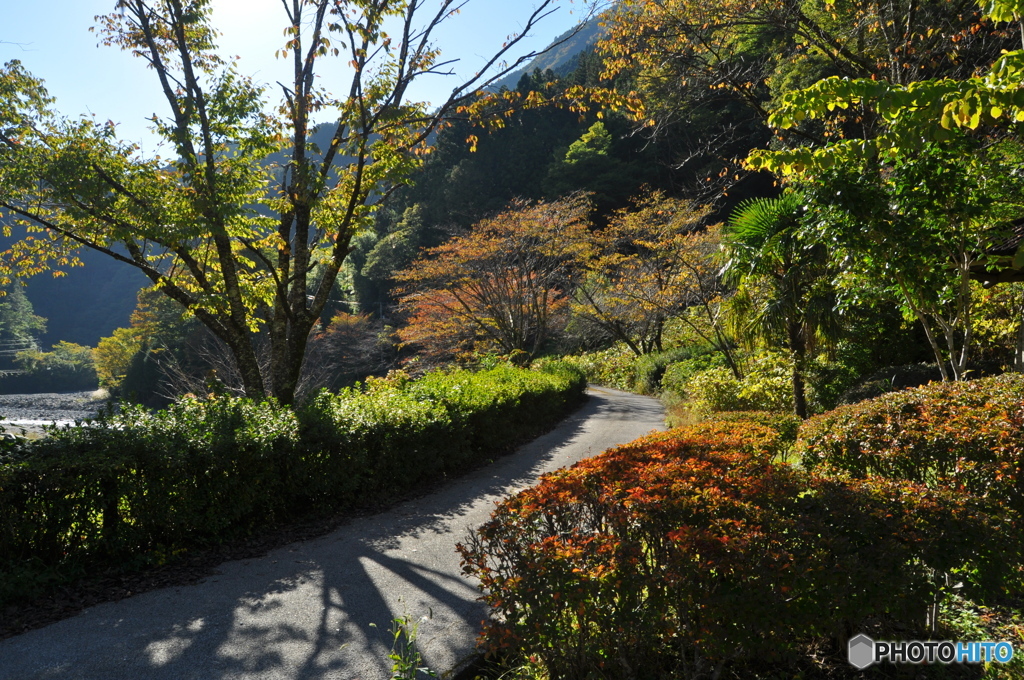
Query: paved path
303,612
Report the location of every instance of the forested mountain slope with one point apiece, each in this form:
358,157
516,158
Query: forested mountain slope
561,59
86,304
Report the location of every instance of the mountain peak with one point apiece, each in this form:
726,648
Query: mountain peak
559,55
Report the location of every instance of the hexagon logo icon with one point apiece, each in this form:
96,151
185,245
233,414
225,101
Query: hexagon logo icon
861,652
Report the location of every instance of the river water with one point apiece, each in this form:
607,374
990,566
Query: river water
28,413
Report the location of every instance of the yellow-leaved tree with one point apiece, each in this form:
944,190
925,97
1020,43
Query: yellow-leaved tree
248,223
655,261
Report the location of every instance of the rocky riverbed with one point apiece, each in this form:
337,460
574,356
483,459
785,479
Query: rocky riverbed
30,412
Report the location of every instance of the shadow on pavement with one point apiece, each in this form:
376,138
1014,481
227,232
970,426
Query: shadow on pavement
322,608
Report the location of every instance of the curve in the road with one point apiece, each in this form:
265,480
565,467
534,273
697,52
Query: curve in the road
321,609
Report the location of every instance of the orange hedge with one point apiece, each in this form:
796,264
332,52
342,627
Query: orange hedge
676,553
968,436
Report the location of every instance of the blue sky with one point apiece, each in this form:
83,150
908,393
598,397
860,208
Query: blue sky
53,41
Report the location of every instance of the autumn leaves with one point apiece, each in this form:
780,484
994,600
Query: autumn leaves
520,278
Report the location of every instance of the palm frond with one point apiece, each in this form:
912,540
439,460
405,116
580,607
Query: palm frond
761,219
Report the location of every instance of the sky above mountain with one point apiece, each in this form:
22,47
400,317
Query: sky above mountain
53,41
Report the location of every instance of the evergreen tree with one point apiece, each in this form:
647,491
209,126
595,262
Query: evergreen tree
20,327
18,321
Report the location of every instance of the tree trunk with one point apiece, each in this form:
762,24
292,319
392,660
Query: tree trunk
936,350
240,344
957,360
798,351
723,346
289,335
285,379
1018,354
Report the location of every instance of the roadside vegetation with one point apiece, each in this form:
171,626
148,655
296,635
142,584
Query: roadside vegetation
694,554
799,224
139,489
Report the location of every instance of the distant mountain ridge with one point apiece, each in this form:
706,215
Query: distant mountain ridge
86,304
560,59
91,301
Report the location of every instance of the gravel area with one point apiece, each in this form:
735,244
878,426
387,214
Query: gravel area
32,411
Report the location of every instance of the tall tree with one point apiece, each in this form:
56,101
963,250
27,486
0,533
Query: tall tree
796,301
246,245
18,321
718,66
654,262
906,112
917,227
503,286
589,165
20,327
923,203
158,336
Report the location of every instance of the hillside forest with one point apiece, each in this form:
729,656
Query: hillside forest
798,223
711,280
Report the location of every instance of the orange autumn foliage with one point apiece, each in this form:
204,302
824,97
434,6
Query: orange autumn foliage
501,287
681,552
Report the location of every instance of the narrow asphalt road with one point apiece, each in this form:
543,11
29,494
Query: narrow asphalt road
322,609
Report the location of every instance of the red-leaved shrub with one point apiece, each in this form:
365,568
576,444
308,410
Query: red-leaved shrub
682,551
966,436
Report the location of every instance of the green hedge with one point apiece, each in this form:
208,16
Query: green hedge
678,374
683,552
620,368
766,386
139,488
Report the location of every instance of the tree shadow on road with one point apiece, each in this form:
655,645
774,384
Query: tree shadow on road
320,608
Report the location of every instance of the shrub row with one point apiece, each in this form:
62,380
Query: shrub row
965,435
141,487
683,551
618,367
766,386
785,425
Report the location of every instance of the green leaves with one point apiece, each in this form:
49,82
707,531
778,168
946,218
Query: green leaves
250,222
1002,10
140,486
915,227
23,102
919,112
